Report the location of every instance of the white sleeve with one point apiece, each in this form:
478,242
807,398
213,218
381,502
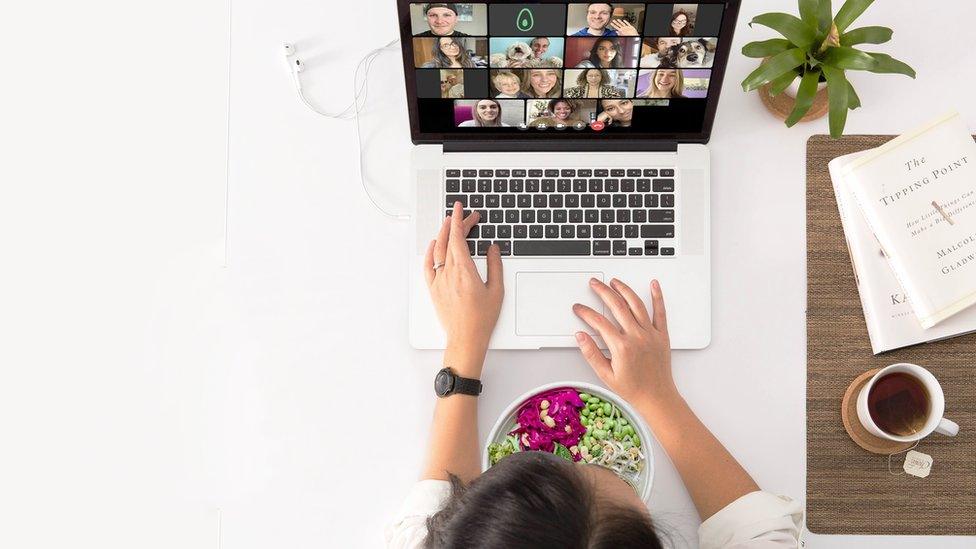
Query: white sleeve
409,527
758,520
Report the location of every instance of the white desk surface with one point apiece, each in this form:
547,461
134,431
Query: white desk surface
167,399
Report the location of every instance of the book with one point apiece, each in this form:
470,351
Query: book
918,195
889,317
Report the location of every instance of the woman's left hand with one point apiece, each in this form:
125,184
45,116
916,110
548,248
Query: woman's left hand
467,307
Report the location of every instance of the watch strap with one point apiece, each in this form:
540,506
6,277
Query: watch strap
466,386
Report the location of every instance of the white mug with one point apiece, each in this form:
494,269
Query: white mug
933,423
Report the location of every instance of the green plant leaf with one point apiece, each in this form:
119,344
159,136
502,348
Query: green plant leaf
837,89
775,67
853,101
825,17
766,48
888,65
846,58
795,30
780,83
804,97
865,35
808,12
850,11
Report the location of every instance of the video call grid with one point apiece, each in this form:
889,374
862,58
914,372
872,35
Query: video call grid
478,82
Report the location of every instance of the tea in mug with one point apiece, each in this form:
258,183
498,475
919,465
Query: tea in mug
899,404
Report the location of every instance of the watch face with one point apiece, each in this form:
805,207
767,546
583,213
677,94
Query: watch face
444,382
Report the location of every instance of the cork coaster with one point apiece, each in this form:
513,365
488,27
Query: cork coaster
857,432
781,105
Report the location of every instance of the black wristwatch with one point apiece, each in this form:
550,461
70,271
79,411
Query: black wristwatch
447,383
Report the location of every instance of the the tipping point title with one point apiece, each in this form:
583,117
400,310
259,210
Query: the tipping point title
917,165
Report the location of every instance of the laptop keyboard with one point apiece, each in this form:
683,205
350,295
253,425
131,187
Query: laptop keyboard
567,212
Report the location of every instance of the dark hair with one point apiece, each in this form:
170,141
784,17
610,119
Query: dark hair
607,3
595,59
537,500
688,28
573,105
452,7
441,60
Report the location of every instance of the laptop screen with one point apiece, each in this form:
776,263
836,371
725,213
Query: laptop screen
555,70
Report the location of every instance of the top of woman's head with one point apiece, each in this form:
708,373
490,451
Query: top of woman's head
538,500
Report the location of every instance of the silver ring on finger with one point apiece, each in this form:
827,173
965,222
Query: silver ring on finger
438,265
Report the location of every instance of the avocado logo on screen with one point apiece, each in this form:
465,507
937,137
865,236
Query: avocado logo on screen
524,21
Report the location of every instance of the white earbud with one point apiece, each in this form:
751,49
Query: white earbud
295,64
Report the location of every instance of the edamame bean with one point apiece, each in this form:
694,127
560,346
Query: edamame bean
599,434
629,430
585,420
607,408
587,441
622,421
636,440
585,412
593,400
609,423
596,450
584,397
599,412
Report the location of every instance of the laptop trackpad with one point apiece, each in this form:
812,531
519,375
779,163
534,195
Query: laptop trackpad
544,302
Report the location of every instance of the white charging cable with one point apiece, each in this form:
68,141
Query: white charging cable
360,94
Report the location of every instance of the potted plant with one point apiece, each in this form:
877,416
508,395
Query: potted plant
817,48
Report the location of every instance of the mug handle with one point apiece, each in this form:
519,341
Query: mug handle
947,427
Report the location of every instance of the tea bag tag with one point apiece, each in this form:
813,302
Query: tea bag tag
918,464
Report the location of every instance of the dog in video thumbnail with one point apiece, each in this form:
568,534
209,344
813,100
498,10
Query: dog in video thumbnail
520,55
691,54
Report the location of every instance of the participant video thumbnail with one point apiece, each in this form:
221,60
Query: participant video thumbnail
615,112
673,83
604,19
450,52
489,113
449,19
451,83
560,113
542,83
522,53
681,53
507,84
599,83
683,20
606,53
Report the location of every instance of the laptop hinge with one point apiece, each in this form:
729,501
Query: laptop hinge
589,145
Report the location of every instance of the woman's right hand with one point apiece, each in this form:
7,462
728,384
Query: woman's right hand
639,367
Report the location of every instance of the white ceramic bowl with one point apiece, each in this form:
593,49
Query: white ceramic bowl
506,422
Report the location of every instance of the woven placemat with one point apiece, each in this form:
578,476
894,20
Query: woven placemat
849,490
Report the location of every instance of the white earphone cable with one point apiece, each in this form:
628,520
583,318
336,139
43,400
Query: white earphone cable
353,110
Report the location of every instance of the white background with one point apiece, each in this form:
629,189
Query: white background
161,389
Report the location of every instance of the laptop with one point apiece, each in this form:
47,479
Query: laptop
579,132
